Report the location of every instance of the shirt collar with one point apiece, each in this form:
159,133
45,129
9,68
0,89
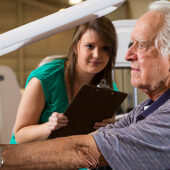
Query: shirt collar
156,104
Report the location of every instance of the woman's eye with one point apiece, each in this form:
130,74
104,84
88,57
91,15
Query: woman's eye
89,46
106,48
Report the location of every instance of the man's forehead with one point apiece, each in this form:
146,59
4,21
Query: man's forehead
142,33
152,18
147,26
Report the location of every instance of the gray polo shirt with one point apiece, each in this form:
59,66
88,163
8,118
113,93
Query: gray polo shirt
138,145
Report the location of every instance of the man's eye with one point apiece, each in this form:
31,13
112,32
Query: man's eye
142,46
89,46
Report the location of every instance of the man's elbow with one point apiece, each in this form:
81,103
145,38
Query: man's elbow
89,156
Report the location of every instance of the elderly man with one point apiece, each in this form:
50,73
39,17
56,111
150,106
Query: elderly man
139,141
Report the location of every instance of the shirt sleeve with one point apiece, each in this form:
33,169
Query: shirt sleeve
47,74
141,145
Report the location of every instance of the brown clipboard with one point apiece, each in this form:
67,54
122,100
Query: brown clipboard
91,104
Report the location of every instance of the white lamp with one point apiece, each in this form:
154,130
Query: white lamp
55,23
74,2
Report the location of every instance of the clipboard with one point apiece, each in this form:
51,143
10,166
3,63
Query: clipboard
91,104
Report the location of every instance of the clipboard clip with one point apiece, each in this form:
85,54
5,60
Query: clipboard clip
103,84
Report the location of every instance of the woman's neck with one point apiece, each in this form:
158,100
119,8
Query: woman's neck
80,80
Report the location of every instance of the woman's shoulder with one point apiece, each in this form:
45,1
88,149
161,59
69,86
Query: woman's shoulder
48,71
54,64
50,67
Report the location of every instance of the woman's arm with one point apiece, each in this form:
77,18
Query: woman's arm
26,127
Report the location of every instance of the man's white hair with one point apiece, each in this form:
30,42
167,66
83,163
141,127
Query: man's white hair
163,37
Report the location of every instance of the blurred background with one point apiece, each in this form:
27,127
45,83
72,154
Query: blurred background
14,13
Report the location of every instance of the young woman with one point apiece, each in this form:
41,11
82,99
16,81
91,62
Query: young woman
51,87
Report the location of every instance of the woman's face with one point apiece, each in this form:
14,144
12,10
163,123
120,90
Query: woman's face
92,53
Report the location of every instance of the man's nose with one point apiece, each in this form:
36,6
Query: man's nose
131,54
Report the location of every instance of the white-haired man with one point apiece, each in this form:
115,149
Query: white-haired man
139,141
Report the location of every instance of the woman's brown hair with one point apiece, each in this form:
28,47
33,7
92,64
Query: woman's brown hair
107,33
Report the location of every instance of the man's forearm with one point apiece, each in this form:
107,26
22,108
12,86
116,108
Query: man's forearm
61,153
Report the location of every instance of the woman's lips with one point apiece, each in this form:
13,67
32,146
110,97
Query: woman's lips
95,63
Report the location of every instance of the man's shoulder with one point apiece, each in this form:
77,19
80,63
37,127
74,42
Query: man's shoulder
165,107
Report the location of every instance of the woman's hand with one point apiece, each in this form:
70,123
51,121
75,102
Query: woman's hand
104,122
57,120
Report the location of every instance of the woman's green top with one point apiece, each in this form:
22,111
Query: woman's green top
52,78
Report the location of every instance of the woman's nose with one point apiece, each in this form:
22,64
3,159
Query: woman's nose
96,53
